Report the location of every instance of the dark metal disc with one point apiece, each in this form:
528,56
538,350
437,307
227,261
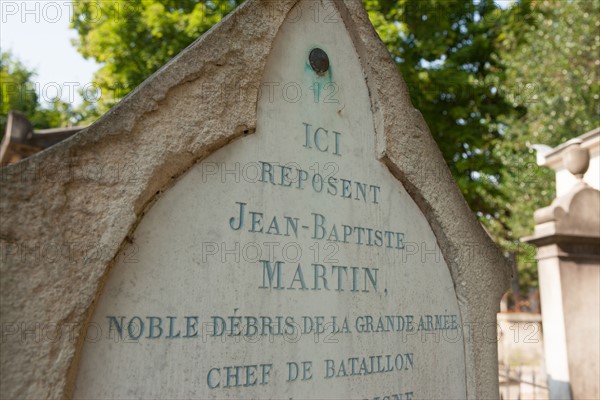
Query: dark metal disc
319,61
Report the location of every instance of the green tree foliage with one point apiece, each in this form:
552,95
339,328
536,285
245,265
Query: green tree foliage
492,82
555,65
551,51
448,52
18,92
133,38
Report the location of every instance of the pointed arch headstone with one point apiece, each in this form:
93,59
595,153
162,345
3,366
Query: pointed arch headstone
267,216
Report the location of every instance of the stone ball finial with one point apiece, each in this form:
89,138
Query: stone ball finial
577,158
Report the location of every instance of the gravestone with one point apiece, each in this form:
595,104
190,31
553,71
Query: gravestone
265,217
567,237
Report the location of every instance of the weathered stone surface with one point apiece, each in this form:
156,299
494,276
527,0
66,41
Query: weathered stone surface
68,211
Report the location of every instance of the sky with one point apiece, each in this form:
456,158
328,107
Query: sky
37,33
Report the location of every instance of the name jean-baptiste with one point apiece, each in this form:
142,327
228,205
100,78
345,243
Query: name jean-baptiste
320,228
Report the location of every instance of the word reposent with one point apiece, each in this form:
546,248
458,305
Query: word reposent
297,178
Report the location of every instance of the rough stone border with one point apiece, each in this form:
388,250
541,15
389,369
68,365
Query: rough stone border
52,201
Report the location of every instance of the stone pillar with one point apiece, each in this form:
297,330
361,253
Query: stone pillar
567,235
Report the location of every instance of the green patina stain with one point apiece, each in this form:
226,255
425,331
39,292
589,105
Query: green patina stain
318,81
